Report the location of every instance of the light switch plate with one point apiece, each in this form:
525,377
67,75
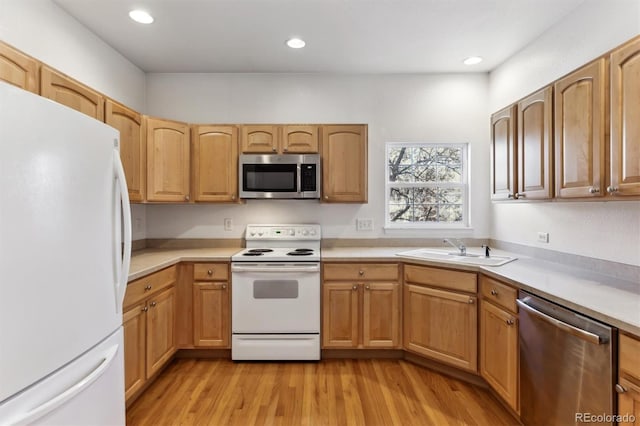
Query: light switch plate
543,237
364,224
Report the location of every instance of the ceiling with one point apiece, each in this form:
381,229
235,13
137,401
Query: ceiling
343,36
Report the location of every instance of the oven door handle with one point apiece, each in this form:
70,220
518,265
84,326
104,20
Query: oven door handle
310,268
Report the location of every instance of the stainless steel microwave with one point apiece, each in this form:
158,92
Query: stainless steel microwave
280,176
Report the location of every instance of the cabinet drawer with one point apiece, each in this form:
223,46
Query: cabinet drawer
629,356
498,293
361,271
443,278
144,287
211,272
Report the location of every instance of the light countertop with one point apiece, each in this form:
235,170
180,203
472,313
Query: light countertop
605,298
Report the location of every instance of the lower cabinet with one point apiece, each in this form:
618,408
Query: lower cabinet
628,386
439,322
361,309
211,301
499,364
149,327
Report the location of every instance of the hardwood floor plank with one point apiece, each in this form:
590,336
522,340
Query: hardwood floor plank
327,393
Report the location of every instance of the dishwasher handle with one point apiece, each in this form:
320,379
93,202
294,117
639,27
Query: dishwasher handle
575,331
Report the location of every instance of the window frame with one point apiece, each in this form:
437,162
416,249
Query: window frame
464,185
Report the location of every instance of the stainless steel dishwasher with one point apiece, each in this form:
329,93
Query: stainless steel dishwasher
567,365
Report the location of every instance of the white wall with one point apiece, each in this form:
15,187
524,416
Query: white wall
605,230
433,108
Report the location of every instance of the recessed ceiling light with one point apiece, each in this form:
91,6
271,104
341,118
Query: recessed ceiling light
296,43
141,16
472,60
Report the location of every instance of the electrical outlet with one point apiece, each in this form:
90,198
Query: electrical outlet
364,224
543,237
228,224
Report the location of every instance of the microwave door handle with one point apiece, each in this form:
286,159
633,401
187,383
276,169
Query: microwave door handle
299,179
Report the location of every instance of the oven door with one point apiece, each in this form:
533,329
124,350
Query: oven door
275,298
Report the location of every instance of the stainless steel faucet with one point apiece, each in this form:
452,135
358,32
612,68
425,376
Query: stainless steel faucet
457,244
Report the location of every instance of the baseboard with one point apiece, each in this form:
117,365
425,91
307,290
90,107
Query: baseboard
454,372
361,354
213,353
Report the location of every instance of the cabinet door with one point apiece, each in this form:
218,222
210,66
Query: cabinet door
625,120
18,69
629,403
259,139
340,314
161,318
215,163
499,352
534,146
167,160
441,325
580,123
66,91
132,147
134,326
344,164
300,139
503,154
211,314
381,315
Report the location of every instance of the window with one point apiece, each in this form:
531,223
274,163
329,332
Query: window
426,185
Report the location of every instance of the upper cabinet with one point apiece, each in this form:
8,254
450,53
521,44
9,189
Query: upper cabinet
625,120
18,69
300,139
535,136
344,164
580,129
132,147
215,163
286,139
503,154
69,92
167,160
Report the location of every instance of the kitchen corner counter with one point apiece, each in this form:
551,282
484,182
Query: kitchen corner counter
602,297
144,262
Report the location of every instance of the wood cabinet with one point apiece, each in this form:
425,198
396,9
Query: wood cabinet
215,163
259,139
67,91
440,321
344,164
279,139
211,302
361,309
499,358
628,386
624,179
19,69
132,146
503,154
300,139
167,160
580,130
534,146
149,327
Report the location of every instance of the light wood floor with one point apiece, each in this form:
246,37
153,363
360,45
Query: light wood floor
330,392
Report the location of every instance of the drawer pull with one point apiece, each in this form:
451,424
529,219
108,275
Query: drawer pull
147,287
494,292
153,304
361,272
209,272
145,309
510,321
620,388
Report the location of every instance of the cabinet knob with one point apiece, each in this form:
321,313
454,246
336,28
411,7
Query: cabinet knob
209,272
361,272
326,197
366,287
354,288
620,388
518,195
145,309
510,196
510,321
224,286
612,189
494,292
153,304
187,198
147,287
233,197
273,149
594,190
286,149
471,301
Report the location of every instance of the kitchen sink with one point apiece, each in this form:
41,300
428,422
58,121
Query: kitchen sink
468,259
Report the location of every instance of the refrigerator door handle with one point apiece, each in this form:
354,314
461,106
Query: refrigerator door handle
123,272
69,392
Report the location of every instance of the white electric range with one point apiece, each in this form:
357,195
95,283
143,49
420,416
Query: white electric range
275,296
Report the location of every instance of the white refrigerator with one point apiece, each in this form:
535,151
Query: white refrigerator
65,244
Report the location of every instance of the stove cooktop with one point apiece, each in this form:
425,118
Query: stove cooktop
280,254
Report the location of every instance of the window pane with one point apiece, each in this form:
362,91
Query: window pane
450,213
450,196
426,213
400,165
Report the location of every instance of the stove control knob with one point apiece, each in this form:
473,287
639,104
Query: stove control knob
260,233
313,232
305,232
252,233
292,232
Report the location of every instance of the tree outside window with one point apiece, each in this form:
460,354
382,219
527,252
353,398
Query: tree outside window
426,185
